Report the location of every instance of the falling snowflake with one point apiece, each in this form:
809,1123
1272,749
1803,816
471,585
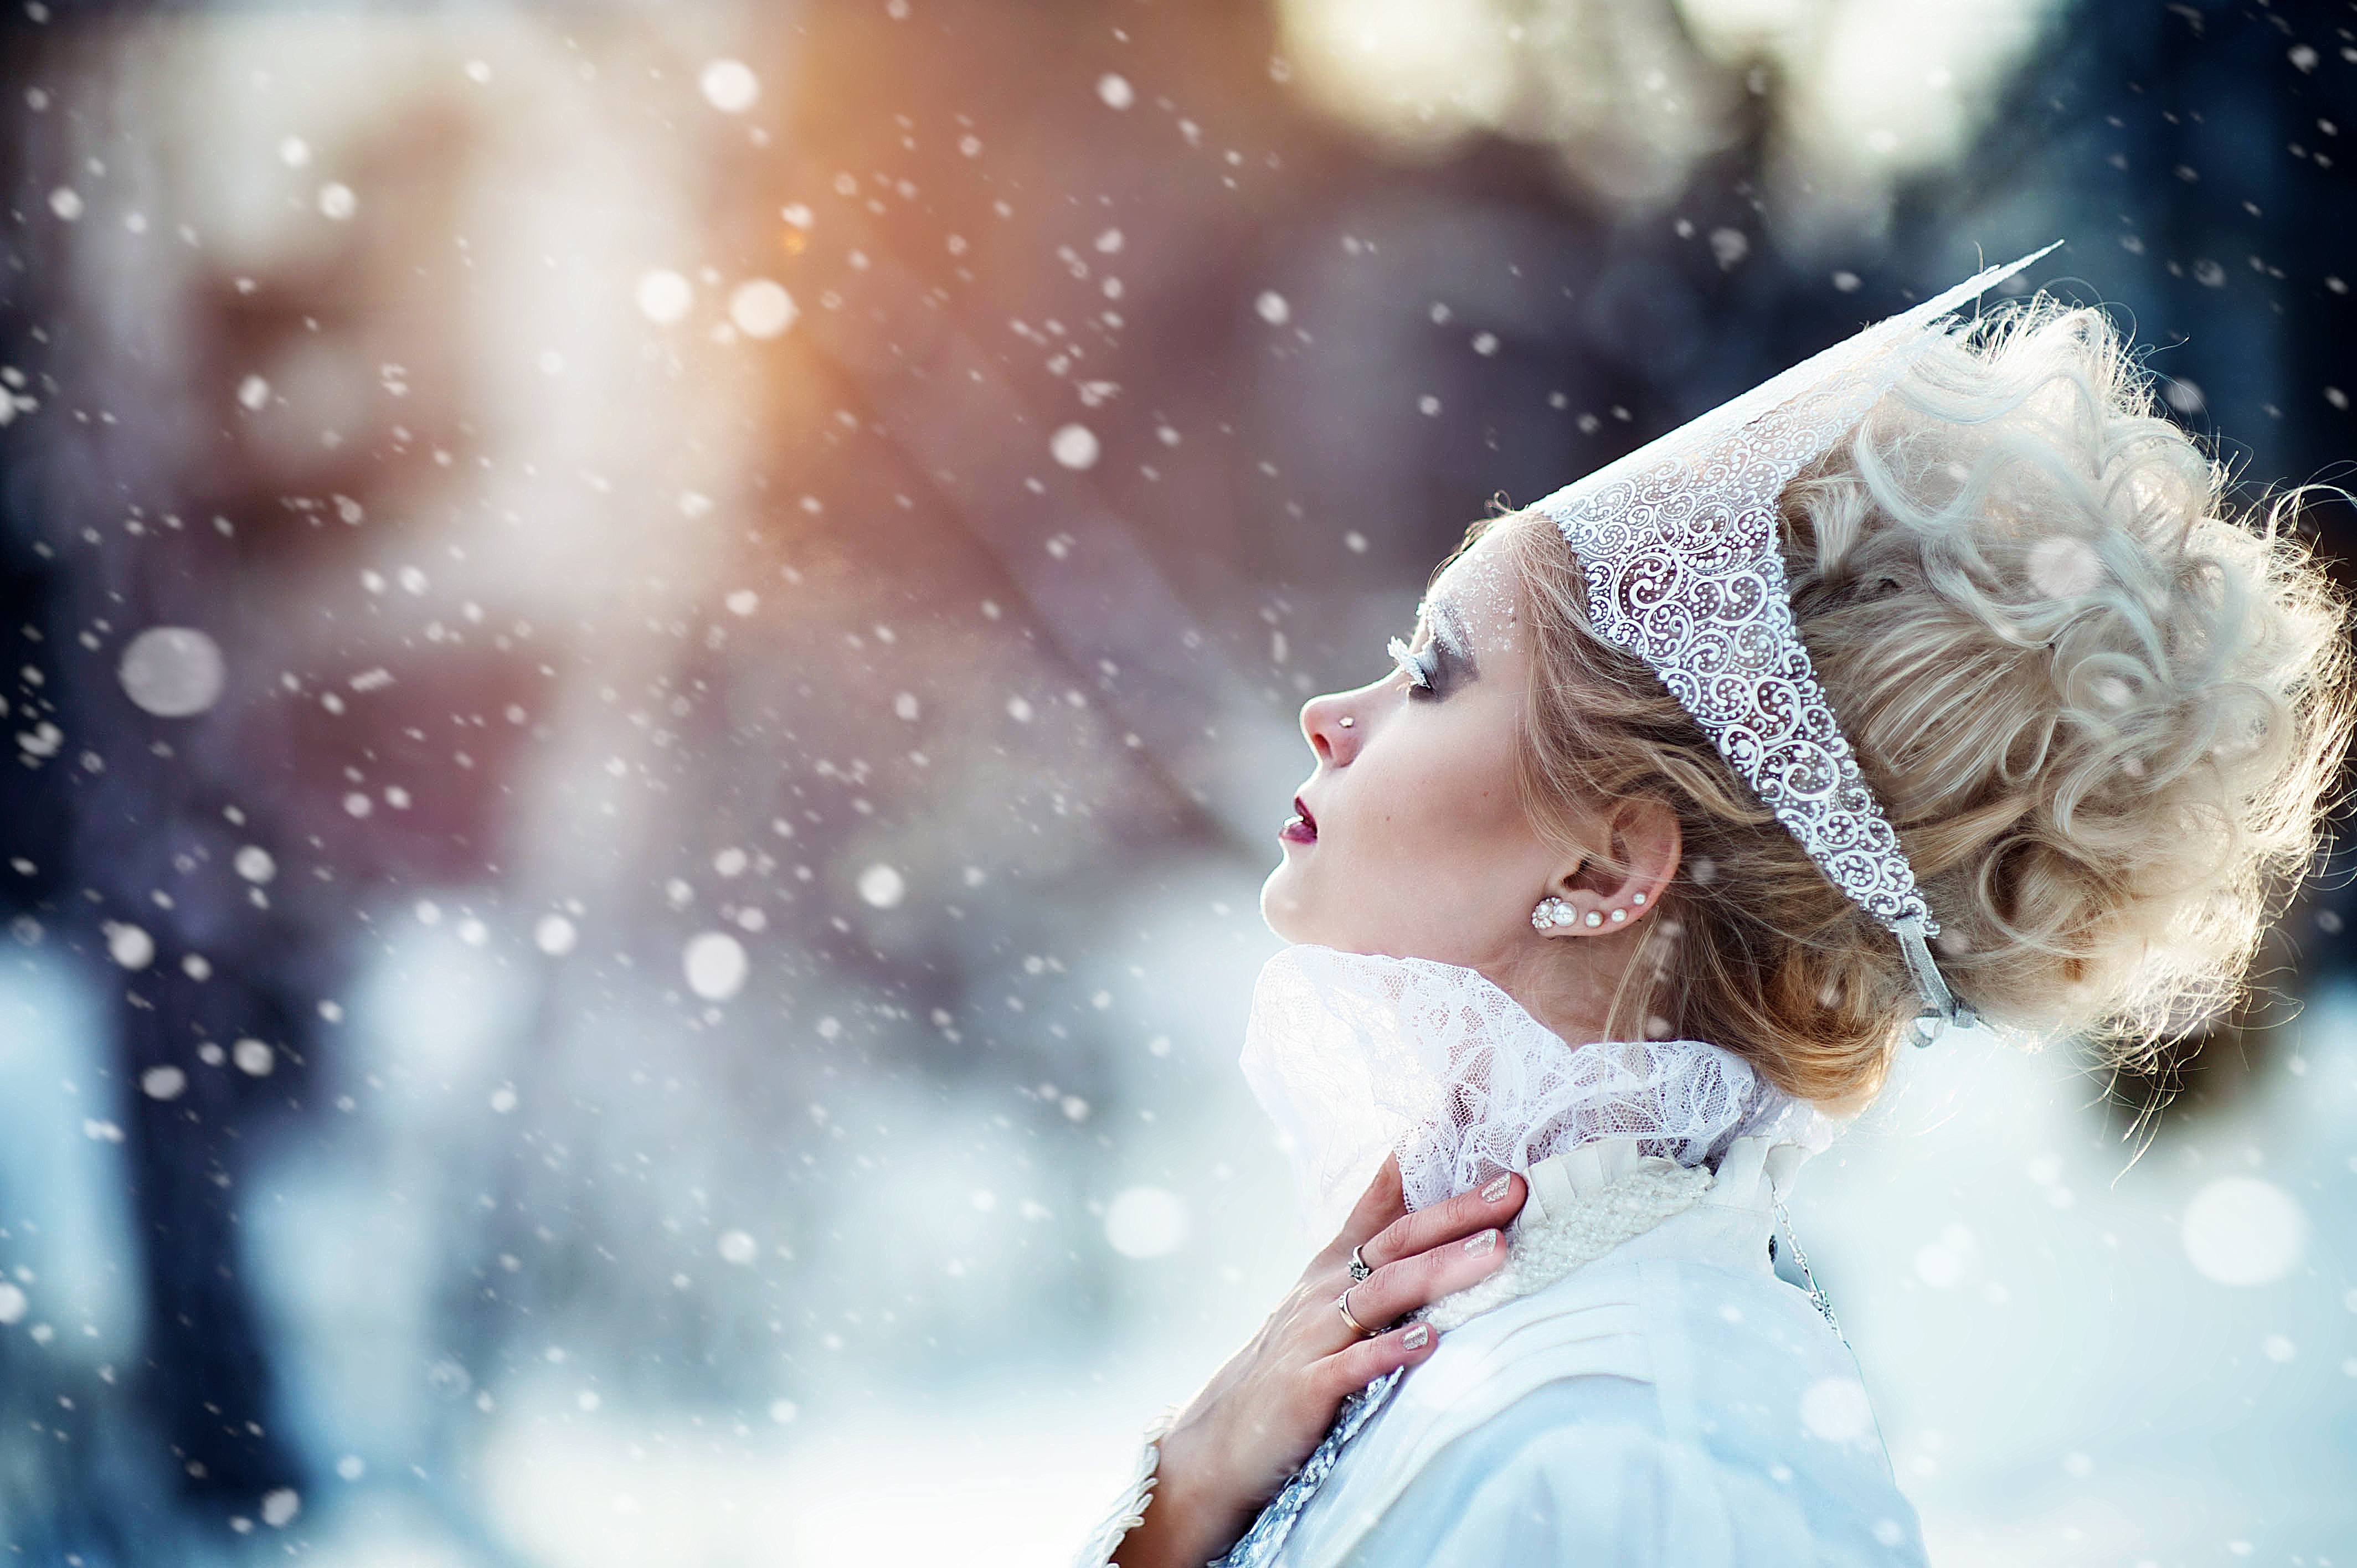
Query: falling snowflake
729,86
715,964
761,309
172,672
882,886
129,945
2242,1230
664,296
2062,567
1837,1409
1146,1222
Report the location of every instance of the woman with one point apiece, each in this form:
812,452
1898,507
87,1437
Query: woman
1621,888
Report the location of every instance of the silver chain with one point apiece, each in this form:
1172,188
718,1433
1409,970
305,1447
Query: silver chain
1800,1262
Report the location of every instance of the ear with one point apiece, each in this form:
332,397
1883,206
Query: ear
1612,891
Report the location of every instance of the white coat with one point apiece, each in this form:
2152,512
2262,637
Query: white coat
1667,1402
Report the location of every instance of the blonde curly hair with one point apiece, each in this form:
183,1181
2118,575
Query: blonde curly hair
2104,715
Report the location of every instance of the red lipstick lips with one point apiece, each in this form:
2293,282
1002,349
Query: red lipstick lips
1300,827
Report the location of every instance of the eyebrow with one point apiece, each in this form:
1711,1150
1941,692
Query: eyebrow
1448,631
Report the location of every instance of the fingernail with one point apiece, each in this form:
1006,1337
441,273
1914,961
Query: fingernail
1416,1338
1481,1245
1496,1191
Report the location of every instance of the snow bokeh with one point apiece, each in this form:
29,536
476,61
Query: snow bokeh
1075,447
729,86
2242,1231
172,672
663,295
716,965
760,309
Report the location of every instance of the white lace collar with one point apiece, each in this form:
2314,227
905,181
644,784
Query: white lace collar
1354,1056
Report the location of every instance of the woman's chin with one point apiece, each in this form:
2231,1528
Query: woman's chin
1297,924
1280,908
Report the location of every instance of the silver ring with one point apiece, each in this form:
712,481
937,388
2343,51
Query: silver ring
1343,1305
1360,1267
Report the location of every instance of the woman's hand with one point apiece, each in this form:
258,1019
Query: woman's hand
1258,1419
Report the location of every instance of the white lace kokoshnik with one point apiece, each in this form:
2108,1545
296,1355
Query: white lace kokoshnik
1354,1056
1682,570
1678,544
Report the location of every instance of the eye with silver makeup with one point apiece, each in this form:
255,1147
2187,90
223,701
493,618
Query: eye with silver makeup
1419,667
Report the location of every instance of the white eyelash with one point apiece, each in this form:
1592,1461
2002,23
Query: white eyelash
1412,665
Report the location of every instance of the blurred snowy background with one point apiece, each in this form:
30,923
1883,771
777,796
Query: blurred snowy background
650,662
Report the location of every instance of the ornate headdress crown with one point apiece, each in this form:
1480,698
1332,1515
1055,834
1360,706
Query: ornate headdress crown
1678,541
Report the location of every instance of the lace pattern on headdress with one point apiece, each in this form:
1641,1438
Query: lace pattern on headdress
1678,542
1683,571
1354,1057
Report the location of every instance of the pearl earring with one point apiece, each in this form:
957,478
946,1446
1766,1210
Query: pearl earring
1552,913
1638,899
1619,916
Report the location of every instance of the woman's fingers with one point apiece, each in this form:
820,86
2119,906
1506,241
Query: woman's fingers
1484,1209
1397,1289
1360,1362
1264,1411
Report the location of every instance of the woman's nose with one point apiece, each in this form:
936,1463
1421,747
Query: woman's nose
1330,727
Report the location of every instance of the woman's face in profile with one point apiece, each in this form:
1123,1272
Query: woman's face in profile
1410,839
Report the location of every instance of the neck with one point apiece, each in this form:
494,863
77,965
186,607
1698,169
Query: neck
1568,983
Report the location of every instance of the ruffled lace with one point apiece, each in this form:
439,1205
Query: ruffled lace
1354,1056
1130,1511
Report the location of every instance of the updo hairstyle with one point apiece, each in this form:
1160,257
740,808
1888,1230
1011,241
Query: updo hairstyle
2102,715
